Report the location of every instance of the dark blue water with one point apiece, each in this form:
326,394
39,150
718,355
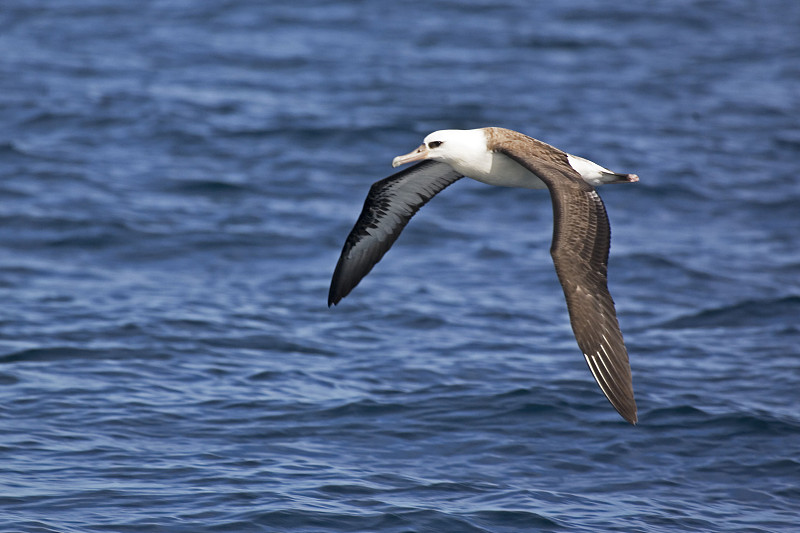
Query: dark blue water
177,179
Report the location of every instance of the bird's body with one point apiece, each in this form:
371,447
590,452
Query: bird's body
581,234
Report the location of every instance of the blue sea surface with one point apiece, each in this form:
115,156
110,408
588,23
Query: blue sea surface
177,179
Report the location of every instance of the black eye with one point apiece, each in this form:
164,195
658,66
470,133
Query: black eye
434,144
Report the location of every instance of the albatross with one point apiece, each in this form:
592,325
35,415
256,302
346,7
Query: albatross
581,232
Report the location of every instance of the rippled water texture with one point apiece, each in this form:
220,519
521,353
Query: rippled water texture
176,182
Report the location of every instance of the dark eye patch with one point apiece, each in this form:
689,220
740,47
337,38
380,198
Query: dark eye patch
434,144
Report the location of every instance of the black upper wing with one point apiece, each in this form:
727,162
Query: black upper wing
389,206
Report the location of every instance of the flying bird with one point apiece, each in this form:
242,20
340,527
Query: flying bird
581,232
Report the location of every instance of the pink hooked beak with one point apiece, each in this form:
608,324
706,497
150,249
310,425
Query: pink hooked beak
417,155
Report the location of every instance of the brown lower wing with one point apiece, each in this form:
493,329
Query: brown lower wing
581,240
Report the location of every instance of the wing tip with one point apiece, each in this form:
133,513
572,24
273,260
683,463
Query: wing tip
626,407
338,288
625,403
631,417
618,392
334,297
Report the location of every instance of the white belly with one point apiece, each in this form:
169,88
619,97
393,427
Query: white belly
503,171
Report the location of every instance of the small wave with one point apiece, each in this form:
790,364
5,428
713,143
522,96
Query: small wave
62,353
8,379
397,519
790,140
750,313
520,520
741,422
203,187
11,149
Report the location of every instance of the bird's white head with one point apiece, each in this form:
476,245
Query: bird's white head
464,150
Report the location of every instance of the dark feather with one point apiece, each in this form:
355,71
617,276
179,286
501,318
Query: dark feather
389,206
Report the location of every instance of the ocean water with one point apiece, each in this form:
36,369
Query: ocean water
176,182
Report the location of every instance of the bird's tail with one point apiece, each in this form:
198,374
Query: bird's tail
614,177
